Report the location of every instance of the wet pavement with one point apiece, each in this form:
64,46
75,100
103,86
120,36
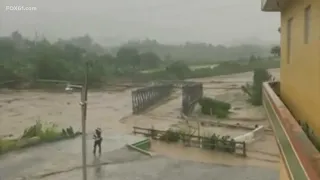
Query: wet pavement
56,156
159,167
122,164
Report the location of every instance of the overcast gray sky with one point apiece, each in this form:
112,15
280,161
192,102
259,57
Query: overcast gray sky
168,21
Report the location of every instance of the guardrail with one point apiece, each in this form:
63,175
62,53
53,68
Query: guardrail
231,146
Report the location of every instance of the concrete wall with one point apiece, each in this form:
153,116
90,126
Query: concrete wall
300,77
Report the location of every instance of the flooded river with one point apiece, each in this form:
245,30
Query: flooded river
112,112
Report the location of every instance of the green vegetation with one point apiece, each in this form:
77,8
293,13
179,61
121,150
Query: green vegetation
28,61
254,91
226,68
37,134
170,136
276,51
224,143
198,53
211,107
192,67
311,136
179,70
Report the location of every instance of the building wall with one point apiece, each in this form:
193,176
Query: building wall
300,78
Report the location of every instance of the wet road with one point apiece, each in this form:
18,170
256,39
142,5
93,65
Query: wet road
56,157
159,167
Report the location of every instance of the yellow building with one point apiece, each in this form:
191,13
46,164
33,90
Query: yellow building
295,116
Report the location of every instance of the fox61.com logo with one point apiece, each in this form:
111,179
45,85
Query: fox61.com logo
20,8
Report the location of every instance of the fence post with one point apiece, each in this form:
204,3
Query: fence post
199,139
244,149
134,130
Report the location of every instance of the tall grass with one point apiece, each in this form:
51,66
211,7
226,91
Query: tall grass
37,134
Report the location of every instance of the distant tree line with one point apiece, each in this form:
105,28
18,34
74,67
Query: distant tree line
194,53
276,51
24,59
21,58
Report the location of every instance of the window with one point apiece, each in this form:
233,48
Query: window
289,39
307,24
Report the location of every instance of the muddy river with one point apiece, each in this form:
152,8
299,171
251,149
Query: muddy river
112,112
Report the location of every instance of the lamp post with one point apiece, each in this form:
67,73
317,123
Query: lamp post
83,104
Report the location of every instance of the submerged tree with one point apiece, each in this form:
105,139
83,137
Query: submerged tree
254,91
276,51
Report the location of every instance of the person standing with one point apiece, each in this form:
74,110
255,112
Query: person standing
97,141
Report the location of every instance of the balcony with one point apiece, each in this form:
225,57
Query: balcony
270,6
273,5
301,157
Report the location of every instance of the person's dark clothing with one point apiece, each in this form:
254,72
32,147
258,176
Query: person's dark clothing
97,141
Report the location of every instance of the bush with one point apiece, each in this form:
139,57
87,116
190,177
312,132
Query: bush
27,142
210,142
6,145
224,143
171,136
220,113
179,69
32,131
49,133
37,134
227,144
211,106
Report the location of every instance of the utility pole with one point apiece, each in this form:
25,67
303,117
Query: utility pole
83,103
199,138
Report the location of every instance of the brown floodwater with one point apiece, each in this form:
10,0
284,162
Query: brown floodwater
112,112
207,156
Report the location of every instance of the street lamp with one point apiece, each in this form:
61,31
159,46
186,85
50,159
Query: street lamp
83,104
